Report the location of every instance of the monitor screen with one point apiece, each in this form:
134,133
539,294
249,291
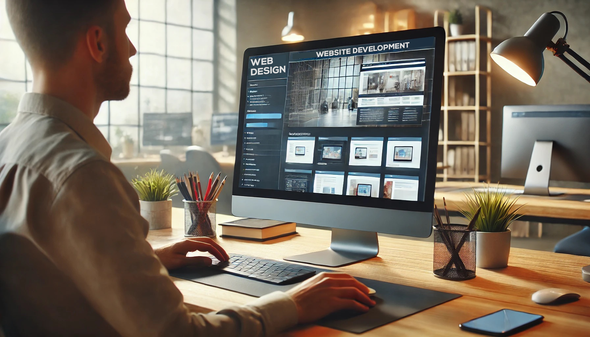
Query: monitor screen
545,142
342,133
224,128
167,129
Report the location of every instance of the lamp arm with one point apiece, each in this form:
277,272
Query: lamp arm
579,58
560,48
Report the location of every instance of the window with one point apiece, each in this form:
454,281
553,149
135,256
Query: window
184,48
15,75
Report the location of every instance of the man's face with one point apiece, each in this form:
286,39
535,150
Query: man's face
113,78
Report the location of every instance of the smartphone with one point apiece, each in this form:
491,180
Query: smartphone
504,322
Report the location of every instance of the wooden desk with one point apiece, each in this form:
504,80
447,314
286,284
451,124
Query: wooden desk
409,262
559,209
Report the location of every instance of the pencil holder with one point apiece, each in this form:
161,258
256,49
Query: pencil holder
454,252
200,218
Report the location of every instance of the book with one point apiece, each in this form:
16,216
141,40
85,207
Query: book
471,56
451,161
471,160
464,55
465,125
471,126
452,67
458,168
257,229
458,55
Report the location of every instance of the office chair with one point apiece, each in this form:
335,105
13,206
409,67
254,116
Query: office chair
575,244
173,165
199,160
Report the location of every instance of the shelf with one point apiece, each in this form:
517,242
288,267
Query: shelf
458,121
469,37
461,176
466,73
465,142
465,107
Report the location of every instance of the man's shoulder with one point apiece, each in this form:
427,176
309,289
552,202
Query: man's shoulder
49,147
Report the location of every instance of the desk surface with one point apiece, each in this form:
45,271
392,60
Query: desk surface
409,262
567,207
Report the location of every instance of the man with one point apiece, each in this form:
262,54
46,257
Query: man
73,256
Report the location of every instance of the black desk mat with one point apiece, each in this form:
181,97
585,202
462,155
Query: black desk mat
394,301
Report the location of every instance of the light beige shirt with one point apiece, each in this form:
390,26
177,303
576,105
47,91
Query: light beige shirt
73,256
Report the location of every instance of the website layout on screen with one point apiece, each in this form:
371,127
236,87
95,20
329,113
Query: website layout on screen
351,121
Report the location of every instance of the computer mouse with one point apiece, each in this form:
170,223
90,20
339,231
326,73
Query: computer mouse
554,296
372,291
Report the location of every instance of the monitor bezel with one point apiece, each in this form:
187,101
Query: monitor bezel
426,205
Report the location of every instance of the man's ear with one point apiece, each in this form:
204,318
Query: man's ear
96,43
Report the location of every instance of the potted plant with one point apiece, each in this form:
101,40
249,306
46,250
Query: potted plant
456,23
128,146
155,189
498,211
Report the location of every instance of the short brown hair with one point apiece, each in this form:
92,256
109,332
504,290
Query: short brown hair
47,30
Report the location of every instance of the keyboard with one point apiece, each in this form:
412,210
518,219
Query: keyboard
271,271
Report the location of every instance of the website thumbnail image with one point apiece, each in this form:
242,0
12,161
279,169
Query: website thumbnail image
385,89
360,184
343,152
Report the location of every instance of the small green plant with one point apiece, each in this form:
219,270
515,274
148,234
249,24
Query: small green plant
498,209
155,186
455,17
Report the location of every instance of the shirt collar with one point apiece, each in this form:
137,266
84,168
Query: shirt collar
74,118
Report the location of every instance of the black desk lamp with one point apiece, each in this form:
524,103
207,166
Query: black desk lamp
522,56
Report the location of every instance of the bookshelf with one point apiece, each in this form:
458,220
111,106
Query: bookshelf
465,129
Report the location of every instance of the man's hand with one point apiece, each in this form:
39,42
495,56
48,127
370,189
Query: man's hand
174,256
326,293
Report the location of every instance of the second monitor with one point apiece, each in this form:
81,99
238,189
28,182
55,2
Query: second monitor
546,142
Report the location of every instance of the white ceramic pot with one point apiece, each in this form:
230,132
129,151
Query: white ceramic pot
492,249
157,213
456,29
127,149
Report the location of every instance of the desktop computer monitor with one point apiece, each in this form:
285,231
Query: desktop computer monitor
342,133
224,131
546,142
167,129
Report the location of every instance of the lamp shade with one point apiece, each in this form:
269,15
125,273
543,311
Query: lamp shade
519,57
522,57
291,33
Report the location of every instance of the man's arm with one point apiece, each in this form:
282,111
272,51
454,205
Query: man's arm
98,239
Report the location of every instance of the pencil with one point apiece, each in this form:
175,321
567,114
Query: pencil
188,187
446,212
208,186
218,191
199,186
215,183
183,190
194,178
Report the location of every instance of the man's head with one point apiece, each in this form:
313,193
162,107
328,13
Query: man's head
52,32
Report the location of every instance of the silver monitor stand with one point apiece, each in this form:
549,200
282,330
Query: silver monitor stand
537,177
347,246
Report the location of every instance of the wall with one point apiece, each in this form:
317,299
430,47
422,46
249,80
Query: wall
259,22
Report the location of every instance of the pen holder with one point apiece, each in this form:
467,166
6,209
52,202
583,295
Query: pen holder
454,252
200,218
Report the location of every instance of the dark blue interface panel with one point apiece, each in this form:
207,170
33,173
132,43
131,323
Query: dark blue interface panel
350,121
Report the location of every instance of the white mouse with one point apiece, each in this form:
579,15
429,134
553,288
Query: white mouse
554,295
